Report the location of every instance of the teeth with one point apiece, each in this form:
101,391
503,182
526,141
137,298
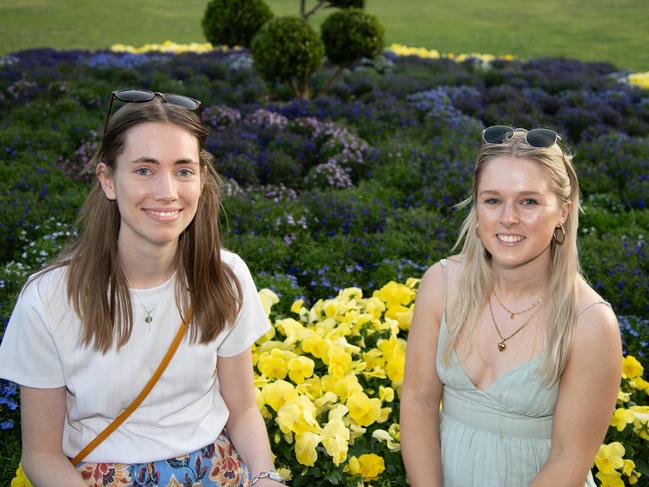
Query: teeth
510,238
164,213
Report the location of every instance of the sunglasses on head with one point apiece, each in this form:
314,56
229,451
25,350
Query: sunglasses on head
143,96
540,138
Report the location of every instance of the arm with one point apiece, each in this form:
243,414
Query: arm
245,424
42,412
593,371
422,389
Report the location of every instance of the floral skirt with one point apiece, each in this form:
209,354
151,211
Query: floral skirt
215,465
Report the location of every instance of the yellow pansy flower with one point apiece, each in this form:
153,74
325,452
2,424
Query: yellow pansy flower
386,394
609,457
368,465
277,393
363,409
339,360
394,294
298,416
274,364
305,448
316,346
335,436
311,387
610,480
388,437
297,306
631,368
622,417
300,368
641,421
268,298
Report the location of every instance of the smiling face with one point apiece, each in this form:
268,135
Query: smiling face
156,182
517,211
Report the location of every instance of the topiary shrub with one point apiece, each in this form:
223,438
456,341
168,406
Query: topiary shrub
234,22
287,49
350,35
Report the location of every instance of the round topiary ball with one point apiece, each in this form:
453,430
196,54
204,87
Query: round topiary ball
286,49
234,22
347,3
351,34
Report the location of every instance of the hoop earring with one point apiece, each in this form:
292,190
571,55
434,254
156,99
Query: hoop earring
563,235
477,226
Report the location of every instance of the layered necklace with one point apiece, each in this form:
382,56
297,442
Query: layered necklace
502,345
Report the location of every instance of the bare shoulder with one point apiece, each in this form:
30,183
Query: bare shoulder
597,335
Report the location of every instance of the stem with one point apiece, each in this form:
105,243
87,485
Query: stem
331,80
317,7
302,7
292,86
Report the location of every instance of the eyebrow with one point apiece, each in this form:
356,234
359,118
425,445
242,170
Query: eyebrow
151,160
522,193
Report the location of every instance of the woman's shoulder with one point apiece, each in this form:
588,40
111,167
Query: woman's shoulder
46,283
596,319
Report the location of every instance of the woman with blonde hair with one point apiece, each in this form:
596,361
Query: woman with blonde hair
522,354
132,348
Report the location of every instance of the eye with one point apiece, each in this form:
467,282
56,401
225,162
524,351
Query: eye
143,171
491,201
529,202
185,172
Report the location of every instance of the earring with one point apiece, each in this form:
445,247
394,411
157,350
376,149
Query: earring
477,226
563,235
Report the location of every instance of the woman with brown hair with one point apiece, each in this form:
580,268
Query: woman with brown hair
522,354
89,330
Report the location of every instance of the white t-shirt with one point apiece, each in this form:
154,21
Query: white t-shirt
183,412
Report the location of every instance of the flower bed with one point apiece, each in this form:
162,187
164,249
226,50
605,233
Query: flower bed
354,188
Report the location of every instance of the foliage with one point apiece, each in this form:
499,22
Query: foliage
234,22
287,49
351,34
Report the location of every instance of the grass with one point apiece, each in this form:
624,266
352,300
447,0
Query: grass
598,30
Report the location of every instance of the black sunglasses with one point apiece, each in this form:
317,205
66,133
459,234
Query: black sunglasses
142,96
540,138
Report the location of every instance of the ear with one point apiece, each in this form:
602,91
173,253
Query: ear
105,177
565,212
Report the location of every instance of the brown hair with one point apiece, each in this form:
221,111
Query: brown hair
476,278
96,285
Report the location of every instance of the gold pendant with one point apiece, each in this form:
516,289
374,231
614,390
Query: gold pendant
501,346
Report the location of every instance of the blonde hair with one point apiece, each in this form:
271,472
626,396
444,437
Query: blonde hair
96,285
476,278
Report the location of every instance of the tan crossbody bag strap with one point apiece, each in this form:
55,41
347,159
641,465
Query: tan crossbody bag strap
140,397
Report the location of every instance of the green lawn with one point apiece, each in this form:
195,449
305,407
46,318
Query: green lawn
597,30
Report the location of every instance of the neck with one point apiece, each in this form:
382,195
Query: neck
527,281
147,267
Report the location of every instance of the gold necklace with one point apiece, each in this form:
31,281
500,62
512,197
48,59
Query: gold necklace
512,314
502,346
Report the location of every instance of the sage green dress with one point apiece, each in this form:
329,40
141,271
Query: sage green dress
498,437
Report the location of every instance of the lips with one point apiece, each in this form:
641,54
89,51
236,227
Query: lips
509,239
163,214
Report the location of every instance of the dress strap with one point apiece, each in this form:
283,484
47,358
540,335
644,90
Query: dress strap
593,304
443,264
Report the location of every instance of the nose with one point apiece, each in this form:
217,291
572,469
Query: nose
509,214
166,189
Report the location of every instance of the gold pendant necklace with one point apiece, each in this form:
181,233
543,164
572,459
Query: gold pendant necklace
147,312
512,314
502,346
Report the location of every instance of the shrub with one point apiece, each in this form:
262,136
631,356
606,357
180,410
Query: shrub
234,22
351,34
287,49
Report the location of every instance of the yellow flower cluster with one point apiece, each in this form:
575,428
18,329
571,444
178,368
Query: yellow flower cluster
331,374
640,79
612,465
609,461
422,52
167,46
